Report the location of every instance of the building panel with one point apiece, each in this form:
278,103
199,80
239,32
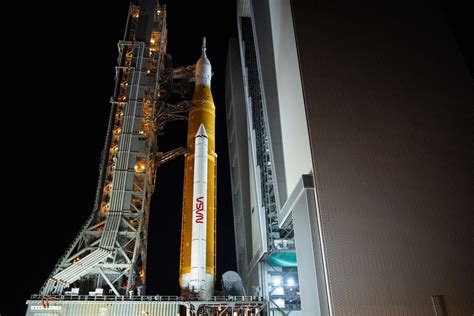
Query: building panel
388,101
294,133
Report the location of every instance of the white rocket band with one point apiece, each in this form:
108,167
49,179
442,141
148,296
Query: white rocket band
198,278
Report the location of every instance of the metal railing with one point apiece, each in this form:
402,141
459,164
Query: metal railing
158,298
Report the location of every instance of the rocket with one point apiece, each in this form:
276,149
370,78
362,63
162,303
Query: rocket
198,228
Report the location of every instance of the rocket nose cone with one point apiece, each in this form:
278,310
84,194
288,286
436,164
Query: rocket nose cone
203,59
201,131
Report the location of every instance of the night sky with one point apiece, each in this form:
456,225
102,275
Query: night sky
59,66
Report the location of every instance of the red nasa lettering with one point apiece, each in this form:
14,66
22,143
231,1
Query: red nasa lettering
199,210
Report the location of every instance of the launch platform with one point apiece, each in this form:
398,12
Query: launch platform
105,305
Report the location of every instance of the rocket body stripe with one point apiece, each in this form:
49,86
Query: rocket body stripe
199,222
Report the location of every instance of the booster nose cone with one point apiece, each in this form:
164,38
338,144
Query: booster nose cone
203,68
201,132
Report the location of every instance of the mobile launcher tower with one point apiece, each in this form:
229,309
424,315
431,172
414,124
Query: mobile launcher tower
103,270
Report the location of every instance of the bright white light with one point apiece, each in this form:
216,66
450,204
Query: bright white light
279,302
290,281
278,291
276,280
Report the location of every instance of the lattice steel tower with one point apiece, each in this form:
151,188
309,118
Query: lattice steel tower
108,256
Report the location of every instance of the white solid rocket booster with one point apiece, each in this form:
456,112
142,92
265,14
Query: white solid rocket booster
198,280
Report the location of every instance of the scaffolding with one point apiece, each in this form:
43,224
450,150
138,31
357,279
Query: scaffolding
108,256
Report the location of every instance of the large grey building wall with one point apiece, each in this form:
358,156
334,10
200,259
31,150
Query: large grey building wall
389,108
238,157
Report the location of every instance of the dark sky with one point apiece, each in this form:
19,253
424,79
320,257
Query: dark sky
59,66
459,19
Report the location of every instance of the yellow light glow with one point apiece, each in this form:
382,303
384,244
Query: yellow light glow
104,207
140,166
108,187
114,150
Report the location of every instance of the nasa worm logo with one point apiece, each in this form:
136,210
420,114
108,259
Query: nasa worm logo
200,210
